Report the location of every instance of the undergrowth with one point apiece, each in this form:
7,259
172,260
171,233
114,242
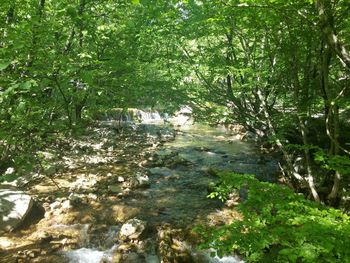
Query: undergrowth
278,225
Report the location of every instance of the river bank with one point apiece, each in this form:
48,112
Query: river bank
145,173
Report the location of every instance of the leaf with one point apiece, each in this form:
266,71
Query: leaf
135,2
4,64
287,252
8,177
26,85
71,11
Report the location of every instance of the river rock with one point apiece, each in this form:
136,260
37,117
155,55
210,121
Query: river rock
74,198
115,188
132,229
55,205
127,247
142,180
66,205
121,179
122,212
14,206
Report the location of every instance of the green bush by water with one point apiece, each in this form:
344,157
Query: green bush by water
278,225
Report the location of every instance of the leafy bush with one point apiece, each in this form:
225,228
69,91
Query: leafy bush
278,225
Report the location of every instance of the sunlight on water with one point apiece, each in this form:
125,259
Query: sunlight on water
226,260
88,255
220,139
84,255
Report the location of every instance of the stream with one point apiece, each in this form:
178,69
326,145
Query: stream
146,178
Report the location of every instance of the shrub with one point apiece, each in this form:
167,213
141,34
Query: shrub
278,225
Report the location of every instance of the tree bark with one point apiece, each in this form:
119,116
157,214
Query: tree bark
326,16
330,95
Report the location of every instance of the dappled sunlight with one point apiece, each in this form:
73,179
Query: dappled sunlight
107,181
167,131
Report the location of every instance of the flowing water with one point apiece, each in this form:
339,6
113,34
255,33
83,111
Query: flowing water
171,204
177,195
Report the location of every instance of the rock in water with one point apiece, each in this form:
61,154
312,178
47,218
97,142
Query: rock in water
142,180
14,206
132,229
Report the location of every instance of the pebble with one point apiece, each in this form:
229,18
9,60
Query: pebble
55,205
92,196
66,205
121,179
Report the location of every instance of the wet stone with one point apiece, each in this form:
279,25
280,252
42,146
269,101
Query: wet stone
115,188
120,179
142,180
132,229
127,247
14,206
112,197
121,212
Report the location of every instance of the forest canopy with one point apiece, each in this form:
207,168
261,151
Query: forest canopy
280,69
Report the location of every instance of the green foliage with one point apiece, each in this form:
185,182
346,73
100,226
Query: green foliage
4,64
337,163
258,63
8,177
278,225
64,61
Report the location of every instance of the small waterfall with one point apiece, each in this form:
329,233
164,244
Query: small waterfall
84,255
134,116
93,253
146,116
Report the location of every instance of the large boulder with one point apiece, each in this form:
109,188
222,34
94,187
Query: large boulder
14,206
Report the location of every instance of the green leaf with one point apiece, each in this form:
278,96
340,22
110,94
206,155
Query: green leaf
4,64
135,2
26,85
8,177
71,11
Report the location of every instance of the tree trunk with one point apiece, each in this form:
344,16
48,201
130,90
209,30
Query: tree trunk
291,170
310,178
79,108
332,115
66,103
81,23
335,146
324,9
